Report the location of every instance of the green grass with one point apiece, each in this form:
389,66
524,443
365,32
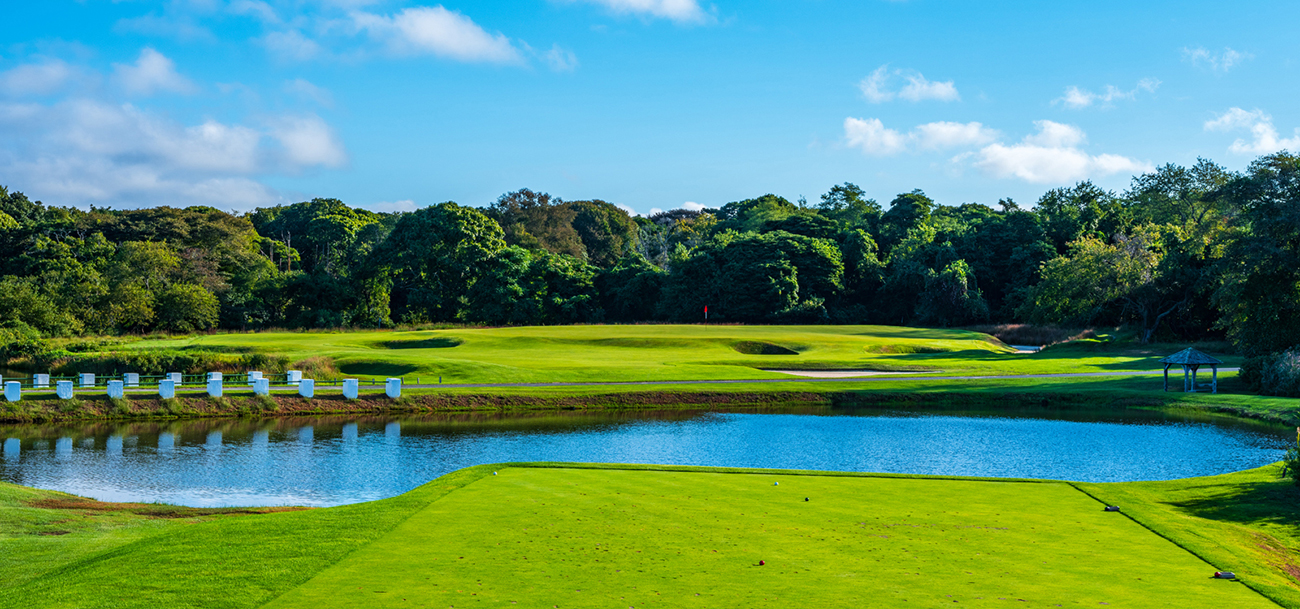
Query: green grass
545,535
665,352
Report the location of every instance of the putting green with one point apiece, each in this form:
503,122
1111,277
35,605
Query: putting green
573,537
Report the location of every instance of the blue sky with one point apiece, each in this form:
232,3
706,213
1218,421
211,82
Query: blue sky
650,104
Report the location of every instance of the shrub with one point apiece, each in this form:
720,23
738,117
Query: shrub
1276,374
1291,461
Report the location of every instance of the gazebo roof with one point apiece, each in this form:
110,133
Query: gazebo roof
1189,356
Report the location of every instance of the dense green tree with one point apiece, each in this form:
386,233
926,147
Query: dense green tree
847,204
1259,273
907,212
433,256
187,308
607,232
537,221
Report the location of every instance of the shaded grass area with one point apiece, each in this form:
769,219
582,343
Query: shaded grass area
1247,522
602,535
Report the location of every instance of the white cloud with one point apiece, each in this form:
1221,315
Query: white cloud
1081,98
1264,136
942,134
83,152
291,45
1052,156
560,60
307,141
655,210
151,73
875,139
692,206
918,88
45,78
876,87
307,90
629,210
437,31
1218,62
1052,134
681,11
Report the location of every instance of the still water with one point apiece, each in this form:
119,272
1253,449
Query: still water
321,461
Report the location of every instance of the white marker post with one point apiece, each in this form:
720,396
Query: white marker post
131,379
87,379
64,390
262,386
307,388
253,376
116,390
176,378
393,388
166,389
13,391
214,376
40,381
293,377
214,387
350,388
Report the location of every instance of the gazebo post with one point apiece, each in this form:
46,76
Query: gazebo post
1195,368
1167,376
1214,383
1186,378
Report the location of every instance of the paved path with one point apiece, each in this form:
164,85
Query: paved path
865,379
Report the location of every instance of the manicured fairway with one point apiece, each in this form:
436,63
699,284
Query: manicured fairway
572,537
663,352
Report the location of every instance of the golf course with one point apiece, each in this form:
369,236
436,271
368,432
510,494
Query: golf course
571,535
609,535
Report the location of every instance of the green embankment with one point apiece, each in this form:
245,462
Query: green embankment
642,536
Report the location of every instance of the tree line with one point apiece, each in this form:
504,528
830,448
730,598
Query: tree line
1184,252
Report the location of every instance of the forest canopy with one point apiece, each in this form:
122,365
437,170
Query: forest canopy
1184,252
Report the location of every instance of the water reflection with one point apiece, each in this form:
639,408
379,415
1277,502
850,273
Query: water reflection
335,460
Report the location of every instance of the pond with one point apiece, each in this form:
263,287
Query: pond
322,461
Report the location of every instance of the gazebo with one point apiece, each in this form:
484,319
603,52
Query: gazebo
1191,360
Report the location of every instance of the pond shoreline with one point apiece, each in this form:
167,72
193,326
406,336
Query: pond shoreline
46,408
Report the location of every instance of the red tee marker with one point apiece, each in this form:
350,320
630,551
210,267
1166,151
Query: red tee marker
761,563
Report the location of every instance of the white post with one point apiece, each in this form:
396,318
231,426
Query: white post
293,376
131,379
64,390
214,387
166,389
116,390
214,376
262,386
350,388
393,388
176,378
13,391
253,377
307,388
40,381
87,379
